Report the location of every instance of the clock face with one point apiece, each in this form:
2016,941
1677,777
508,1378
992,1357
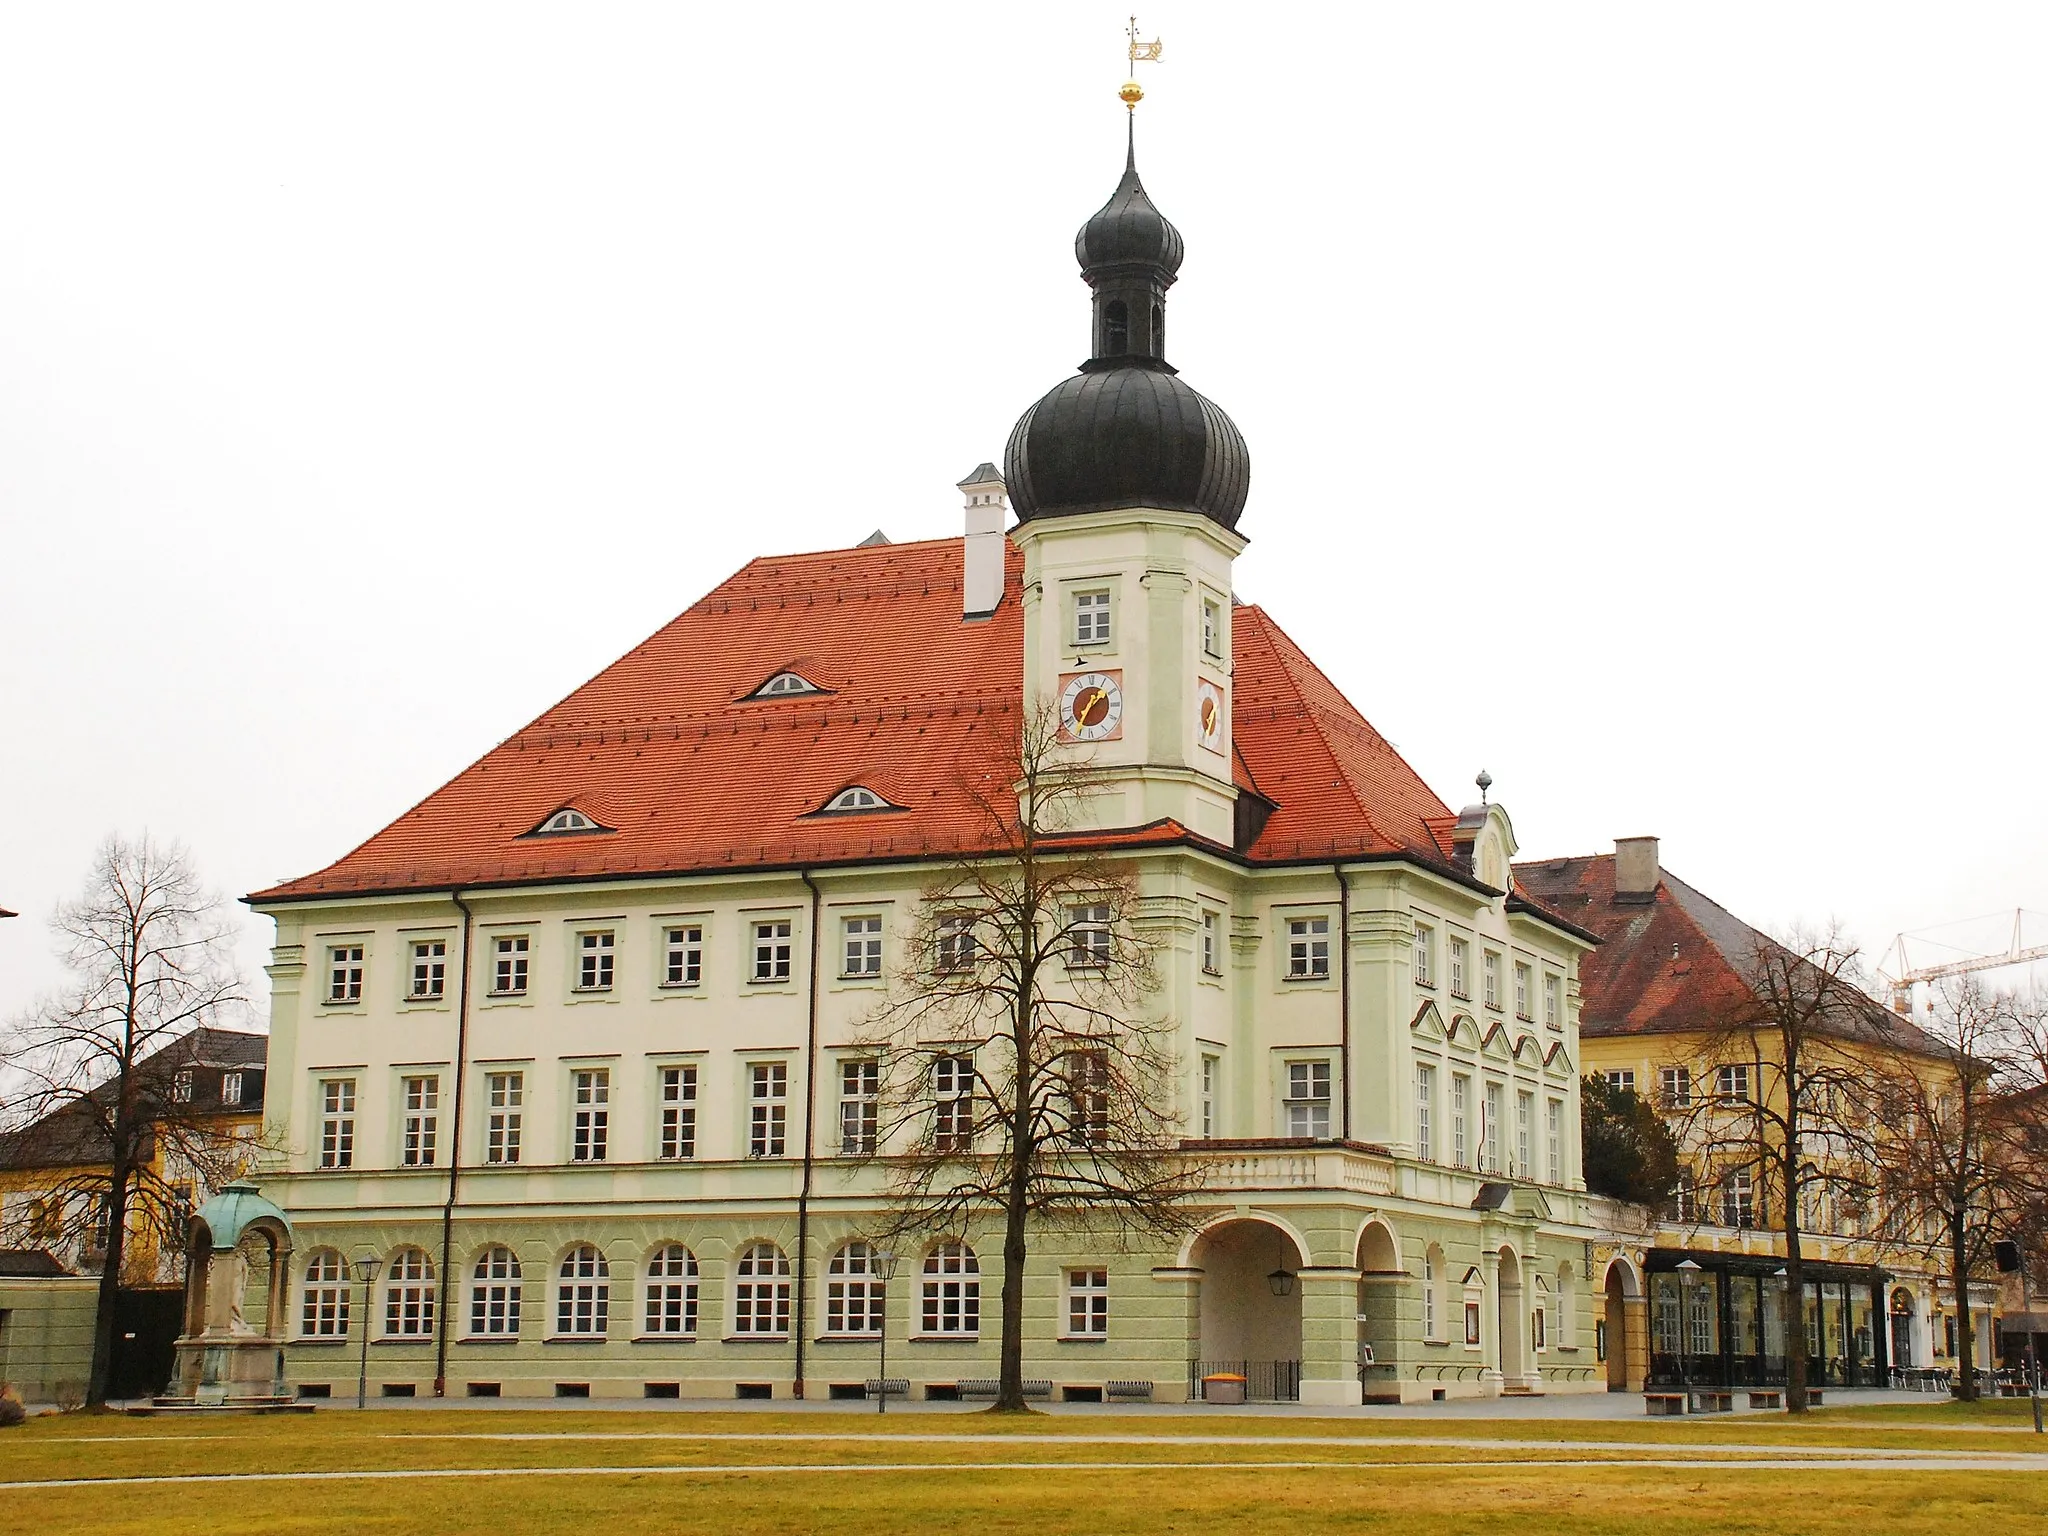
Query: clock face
1092,706
1209,715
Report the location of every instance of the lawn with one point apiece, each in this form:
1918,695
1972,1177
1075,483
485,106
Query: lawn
733,1474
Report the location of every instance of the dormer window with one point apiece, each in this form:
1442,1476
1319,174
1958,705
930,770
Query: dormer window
567,819
856,797
785,685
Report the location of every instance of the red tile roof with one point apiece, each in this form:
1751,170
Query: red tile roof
666,748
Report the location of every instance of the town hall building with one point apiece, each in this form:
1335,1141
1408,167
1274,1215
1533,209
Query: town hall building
573,1048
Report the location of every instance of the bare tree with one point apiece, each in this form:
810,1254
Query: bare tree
149,950
1959,1165
1772,1115
1021,1075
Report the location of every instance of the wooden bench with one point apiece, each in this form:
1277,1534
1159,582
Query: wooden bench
1127,1391
893,1386
1713,1401
1663,1404
1771,1399
992,1388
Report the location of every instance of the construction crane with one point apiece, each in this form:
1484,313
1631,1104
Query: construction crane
1906,976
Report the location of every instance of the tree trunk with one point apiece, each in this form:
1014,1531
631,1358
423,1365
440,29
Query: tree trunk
1795,1293
1958,1270
110,1276
1010,1387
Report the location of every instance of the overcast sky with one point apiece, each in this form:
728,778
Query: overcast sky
1646,403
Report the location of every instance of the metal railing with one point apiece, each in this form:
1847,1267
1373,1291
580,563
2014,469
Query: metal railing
1265,1381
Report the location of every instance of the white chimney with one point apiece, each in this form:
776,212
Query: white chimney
1636,867
988,508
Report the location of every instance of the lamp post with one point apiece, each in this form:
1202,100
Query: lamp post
885,1266
1689,1274
366,1274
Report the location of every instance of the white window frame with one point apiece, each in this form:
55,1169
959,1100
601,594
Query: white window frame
767,1109
857,797
324,1296
1459,963
1553,1000
583,1293
855,1292
1731,1083
682,955
1425,1111
760,1292
949,1294
345,969
1212,628
511,964
1461,1119
590,1121
1553,1135
1308,948
1422,955
958,945
495,1284
1211,1073
773,952
1092,616
596,959
1525,1133
1489,976
1212,943
429,971
505,1116
409,1295
1674,1087
1621,1077
953,1095
860,1106
1494,1098
231,1088
1429,1317
1089,939
861,947
677,1087
669,1293
1525,992
337,1122
1087,1304
420,1097
1305,1110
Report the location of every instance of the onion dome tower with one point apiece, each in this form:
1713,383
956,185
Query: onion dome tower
1125,432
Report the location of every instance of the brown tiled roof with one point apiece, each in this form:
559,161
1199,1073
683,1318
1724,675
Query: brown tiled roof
668,749
1672,961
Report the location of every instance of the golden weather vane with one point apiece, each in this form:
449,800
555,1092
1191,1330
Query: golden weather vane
1140,53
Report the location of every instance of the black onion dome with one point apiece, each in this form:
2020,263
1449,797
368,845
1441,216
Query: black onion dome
1128,229
1126,437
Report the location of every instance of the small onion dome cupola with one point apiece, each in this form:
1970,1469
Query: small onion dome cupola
1125,431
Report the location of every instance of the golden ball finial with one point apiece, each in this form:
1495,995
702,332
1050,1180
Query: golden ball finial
1131,93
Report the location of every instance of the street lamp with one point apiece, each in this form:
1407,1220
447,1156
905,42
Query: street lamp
1281,1282
366,1274
884,1264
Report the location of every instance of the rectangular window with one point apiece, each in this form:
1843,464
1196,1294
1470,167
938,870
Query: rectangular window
1622,1077
1525,1113
863,946
422,1121
683,956
1685,1198
1091,618
1089,925
1553,1002
678,1112
957,944
504,1114
1212,952
1732,1084
338,1122
429,970
594,954
1308,948
860,1092
1472,1324
1553,1138
1087,1074
1460,955
771,951
1461,1101
1308,1099
1210,1066
1525,985
768,1097
1429,1295
1539,1328
1489,1132
1423,955
1088,1303
509,979
1674,1085
1738,1200
1490,977
181,1087
953,1103
1212,627
345,973
590,1129
1425,1113
231,1087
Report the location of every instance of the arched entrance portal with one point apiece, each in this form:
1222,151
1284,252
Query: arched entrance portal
1514,1320
1382,1287
1622,1328
1251,1308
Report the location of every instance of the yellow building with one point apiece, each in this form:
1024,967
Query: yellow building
1699,1296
